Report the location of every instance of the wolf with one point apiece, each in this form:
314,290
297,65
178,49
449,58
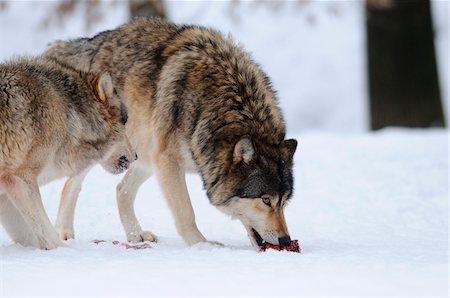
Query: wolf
55,121
196,102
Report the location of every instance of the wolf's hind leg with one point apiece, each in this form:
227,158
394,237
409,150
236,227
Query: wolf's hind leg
173,185
67,204
14,224
126,195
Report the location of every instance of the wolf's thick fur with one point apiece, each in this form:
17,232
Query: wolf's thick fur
197,102
54,122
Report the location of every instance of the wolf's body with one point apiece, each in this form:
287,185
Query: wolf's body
54,122
196,102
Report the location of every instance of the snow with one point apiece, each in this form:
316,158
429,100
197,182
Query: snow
370,212
440,10
370,209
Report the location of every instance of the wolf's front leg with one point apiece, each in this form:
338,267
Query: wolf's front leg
173,185
14,224
23,191
126,195
67,204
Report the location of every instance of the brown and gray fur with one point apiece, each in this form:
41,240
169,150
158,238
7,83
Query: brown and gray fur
54,122
198,102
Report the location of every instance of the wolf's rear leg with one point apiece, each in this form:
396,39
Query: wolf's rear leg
67,204
173,185
126,195
23,191
14,224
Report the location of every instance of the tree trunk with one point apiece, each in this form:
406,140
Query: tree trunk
403,80
147,8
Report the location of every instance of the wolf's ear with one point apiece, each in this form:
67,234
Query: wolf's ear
243,150
288,148
104,87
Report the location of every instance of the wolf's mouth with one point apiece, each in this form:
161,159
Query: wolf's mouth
259,240
123,164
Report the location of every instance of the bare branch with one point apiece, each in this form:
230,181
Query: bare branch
3,5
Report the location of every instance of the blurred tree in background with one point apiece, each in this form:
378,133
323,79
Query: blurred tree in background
93,11
147,8
3,5
402,71
403,79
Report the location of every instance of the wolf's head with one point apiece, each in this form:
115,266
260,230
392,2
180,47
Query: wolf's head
257,187
119,154
78,53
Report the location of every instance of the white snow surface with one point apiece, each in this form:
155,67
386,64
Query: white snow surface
370,212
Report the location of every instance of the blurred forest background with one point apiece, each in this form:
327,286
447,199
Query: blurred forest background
338,65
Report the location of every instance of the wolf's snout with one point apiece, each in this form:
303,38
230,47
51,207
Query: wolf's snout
285,240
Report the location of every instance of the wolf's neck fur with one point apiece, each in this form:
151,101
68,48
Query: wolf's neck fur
220,95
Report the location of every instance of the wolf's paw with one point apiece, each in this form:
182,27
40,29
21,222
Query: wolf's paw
142,236
148,236
48,244
66,234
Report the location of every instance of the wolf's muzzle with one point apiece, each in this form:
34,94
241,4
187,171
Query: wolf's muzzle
124,163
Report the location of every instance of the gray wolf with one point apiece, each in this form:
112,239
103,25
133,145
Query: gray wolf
196,102
54,122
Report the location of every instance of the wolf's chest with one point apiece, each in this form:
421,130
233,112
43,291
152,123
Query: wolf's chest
53,171
48,174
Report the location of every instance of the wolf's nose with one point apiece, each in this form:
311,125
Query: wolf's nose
135,156
285,240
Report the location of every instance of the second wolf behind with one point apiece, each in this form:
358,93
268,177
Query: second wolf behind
54,122
197,102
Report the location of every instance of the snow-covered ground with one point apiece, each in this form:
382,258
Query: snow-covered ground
370,212
370,209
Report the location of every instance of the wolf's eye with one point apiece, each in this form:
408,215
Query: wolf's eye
266,201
